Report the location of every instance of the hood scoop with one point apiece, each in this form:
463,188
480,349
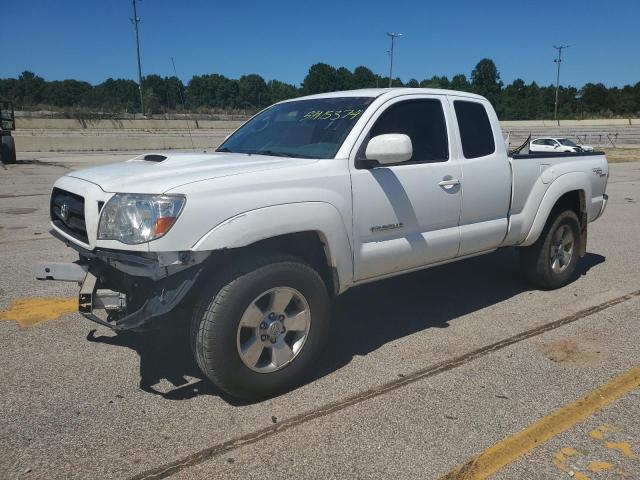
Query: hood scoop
154,157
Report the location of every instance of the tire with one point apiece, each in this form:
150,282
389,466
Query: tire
218,340
8,153
543,264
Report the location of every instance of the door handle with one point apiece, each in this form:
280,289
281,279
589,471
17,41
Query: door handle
449,184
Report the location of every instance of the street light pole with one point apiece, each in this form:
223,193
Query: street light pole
135,21
393,37
558,61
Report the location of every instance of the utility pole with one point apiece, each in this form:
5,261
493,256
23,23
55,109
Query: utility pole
558,61
135,21
393,37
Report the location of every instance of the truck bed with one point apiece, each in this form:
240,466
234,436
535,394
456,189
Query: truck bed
536,177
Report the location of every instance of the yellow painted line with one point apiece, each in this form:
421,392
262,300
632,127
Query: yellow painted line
560,461
602,430
599,466
30,311
622,447
511,448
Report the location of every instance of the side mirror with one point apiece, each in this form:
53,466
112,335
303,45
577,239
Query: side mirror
556,146
389,148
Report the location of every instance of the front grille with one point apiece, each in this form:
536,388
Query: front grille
67,213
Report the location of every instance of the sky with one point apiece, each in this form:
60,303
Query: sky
94,39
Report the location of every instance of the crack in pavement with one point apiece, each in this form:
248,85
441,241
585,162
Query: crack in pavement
201,456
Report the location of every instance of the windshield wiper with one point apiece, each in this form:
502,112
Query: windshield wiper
224,150
270,153
279,154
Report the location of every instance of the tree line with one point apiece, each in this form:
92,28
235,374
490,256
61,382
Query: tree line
214,93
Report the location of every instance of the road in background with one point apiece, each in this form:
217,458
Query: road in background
415,382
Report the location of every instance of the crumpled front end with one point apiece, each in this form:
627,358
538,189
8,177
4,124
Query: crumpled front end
127,290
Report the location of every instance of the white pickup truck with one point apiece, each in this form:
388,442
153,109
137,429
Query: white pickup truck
309,198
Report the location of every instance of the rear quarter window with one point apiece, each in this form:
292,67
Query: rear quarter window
476,134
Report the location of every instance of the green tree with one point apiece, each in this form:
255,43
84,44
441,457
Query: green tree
460,82
436,82
514,100
595,98
115,95
344,79
30,88
396,82
228,93
321,78
174,93
67,93
628,102
363,78
212,91
151,101
279,91
534,107
9,89
485,81
252,90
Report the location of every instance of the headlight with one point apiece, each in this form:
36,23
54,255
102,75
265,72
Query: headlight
133,218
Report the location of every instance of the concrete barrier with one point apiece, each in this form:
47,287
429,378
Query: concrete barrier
25,123
69,135
115,143
596,123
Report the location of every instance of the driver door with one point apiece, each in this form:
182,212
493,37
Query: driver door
406,215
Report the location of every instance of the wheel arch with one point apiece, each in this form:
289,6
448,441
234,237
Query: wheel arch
570,192
312,231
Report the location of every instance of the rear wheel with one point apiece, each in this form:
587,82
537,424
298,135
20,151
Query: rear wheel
259,328
8,149
551,261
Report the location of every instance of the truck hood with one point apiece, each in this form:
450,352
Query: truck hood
159,172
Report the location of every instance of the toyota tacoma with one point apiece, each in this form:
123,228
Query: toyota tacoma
307,199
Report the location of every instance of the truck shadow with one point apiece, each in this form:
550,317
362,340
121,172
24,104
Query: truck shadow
363,320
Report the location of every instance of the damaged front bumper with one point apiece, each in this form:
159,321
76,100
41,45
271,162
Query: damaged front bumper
128,291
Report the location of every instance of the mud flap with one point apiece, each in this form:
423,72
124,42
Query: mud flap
584,223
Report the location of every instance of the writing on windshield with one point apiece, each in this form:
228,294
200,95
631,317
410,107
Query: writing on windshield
313,128
331,114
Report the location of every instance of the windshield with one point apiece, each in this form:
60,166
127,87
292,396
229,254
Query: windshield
566,142
304,128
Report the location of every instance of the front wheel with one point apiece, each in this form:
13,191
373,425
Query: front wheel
551,261
260,327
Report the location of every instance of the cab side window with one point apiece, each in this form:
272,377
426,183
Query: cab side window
476,133
423,122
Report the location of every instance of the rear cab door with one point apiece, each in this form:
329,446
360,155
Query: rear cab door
486,175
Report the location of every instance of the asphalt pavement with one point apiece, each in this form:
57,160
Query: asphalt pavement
460,371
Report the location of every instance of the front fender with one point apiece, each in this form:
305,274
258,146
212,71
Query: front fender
563,184
250,227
